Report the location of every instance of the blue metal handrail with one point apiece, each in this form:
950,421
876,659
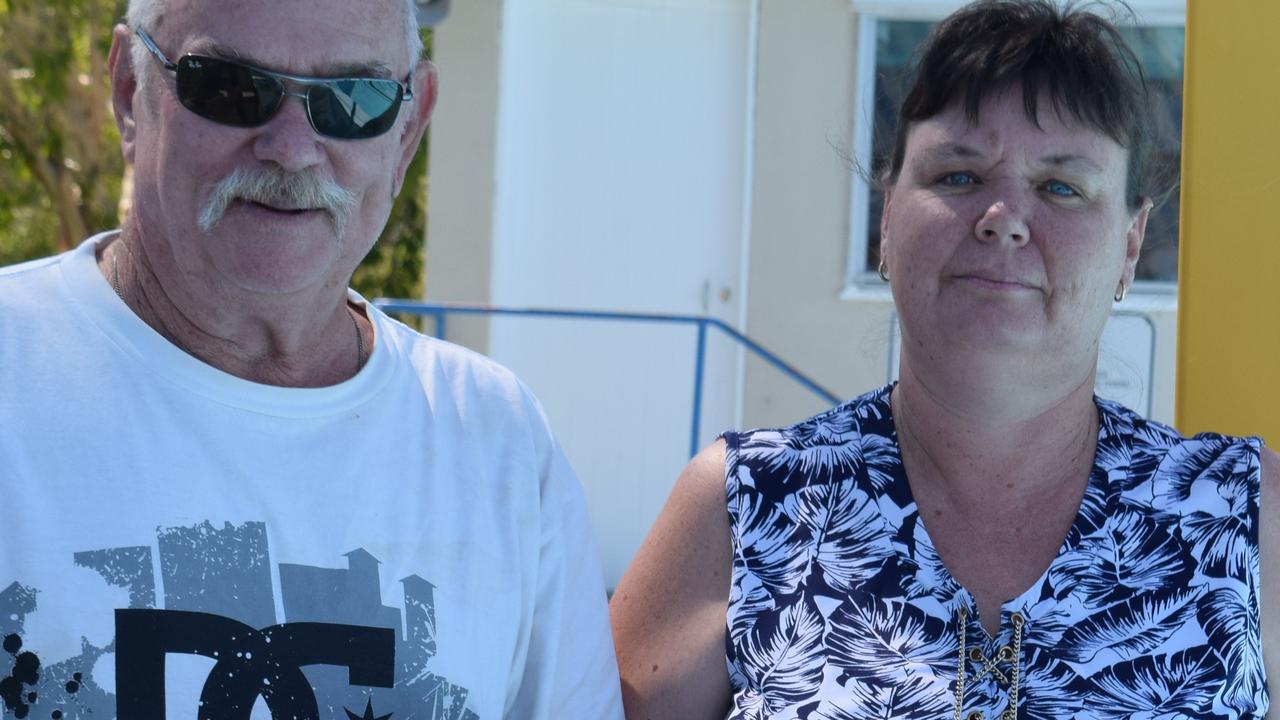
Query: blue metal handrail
439,311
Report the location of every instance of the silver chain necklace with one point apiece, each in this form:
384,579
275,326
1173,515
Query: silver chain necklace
115,275
359,337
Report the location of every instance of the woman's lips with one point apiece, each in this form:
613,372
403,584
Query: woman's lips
997,283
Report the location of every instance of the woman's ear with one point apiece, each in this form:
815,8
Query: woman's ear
884,219
1133,238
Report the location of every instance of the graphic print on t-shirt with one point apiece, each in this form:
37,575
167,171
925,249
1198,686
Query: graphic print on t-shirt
338,653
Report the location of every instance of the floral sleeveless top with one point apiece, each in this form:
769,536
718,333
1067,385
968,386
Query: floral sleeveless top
841,610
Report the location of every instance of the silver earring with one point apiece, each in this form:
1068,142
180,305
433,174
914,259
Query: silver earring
883,271
1119,296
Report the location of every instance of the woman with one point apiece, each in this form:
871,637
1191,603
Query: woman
984,538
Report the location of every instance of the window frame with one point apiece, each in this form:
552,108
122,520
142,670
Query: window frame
863,283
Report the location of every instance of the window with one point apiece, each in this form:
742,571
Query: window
885,47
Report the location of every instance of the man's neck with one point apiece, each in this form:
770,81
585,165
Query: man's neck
298,342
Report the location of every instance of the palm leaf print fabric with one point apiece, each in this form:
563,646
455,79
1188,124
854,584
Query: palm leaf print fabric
840,608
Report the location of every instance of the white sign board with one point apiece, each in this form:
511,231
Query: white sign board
1126,361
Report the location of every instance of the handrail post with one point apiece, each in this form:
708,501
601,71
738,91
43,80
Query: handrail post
700,361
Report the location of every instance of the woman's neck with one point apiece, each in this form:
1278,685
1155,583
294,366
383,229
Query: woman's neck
979,440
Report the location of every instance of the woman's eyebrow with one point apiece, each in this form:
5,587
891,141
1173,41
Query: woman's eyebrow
1083,162
950,151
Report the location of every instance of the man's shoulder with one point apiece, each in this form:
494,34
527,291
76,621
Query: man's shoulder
421,347
441,363
28,286
12,271
42,280
30,271
481,394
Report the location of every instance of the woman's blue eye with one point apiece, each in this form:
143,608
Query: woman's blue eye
958,179
1061,189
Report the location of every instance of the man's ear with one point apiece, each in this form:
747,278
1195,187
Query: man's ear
124,88
425,89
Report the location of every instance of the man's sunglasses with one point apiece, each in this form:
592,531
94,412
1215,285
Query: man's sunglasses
240,95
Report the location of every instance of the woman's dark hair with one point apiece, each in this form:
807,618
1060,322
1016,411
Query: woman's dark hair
1076,56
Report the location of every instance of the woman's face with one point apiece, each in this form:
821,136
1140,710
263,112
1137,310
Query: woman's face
1003,239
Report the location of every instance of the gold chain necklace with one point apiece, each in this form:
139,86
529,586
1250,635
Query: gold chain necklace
990,665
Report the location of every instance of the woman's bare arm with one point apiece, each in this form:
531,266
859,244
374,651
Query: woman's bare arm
1269,547
668,612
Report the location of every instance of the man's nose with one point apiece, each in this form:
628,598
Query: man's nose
287,139
1002,222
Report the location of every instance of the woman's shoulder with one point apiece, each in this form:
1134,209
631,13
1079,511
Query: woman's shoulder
854,440
1152,438
843,424
1175,472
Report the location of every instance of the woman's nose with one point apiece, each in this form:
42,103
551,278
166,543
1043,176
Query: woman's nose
1001,222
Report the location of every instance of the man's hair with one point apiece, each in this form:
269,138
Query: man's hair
145,14
1075,56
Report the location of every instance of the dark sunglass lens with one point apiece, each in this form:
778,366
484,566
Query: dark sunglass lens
354,109
227,92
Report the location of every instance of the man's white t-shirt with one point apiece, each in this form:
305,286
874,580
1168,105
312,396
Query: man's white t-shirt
410,543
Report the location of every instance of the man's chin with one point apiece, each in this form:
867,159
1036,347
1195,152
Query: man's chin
270,253
276,275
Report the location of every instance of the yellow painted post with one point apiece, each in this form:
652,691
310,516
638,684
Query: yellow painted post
1228,377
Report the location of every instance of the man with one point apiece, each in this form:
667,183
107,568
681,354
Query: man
230,488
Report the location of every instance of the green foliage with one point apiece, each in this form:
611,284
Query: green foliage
61,170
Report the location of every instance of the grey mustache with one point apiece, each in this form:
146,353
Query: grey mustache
277,187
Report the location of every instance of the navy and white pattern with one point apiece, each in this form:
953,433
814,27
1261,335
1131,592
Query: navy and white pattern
840,608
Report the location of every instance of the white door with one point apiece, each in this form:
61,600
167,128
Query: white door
621,166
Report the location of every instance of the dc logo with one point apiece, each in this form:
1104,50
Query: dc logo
251,663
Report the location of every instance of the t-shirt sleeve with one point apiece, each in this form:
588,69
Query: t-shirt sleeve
570,670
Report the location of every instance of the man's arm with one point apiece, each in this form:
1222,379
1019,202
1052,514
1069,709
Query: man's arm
1269,551
570,670
668,612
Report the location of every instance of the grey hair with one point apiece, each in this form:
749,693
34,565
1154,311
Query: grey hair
146,14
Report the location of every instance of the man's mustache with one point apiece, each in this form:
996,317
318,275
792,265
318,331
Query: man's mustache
279,188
